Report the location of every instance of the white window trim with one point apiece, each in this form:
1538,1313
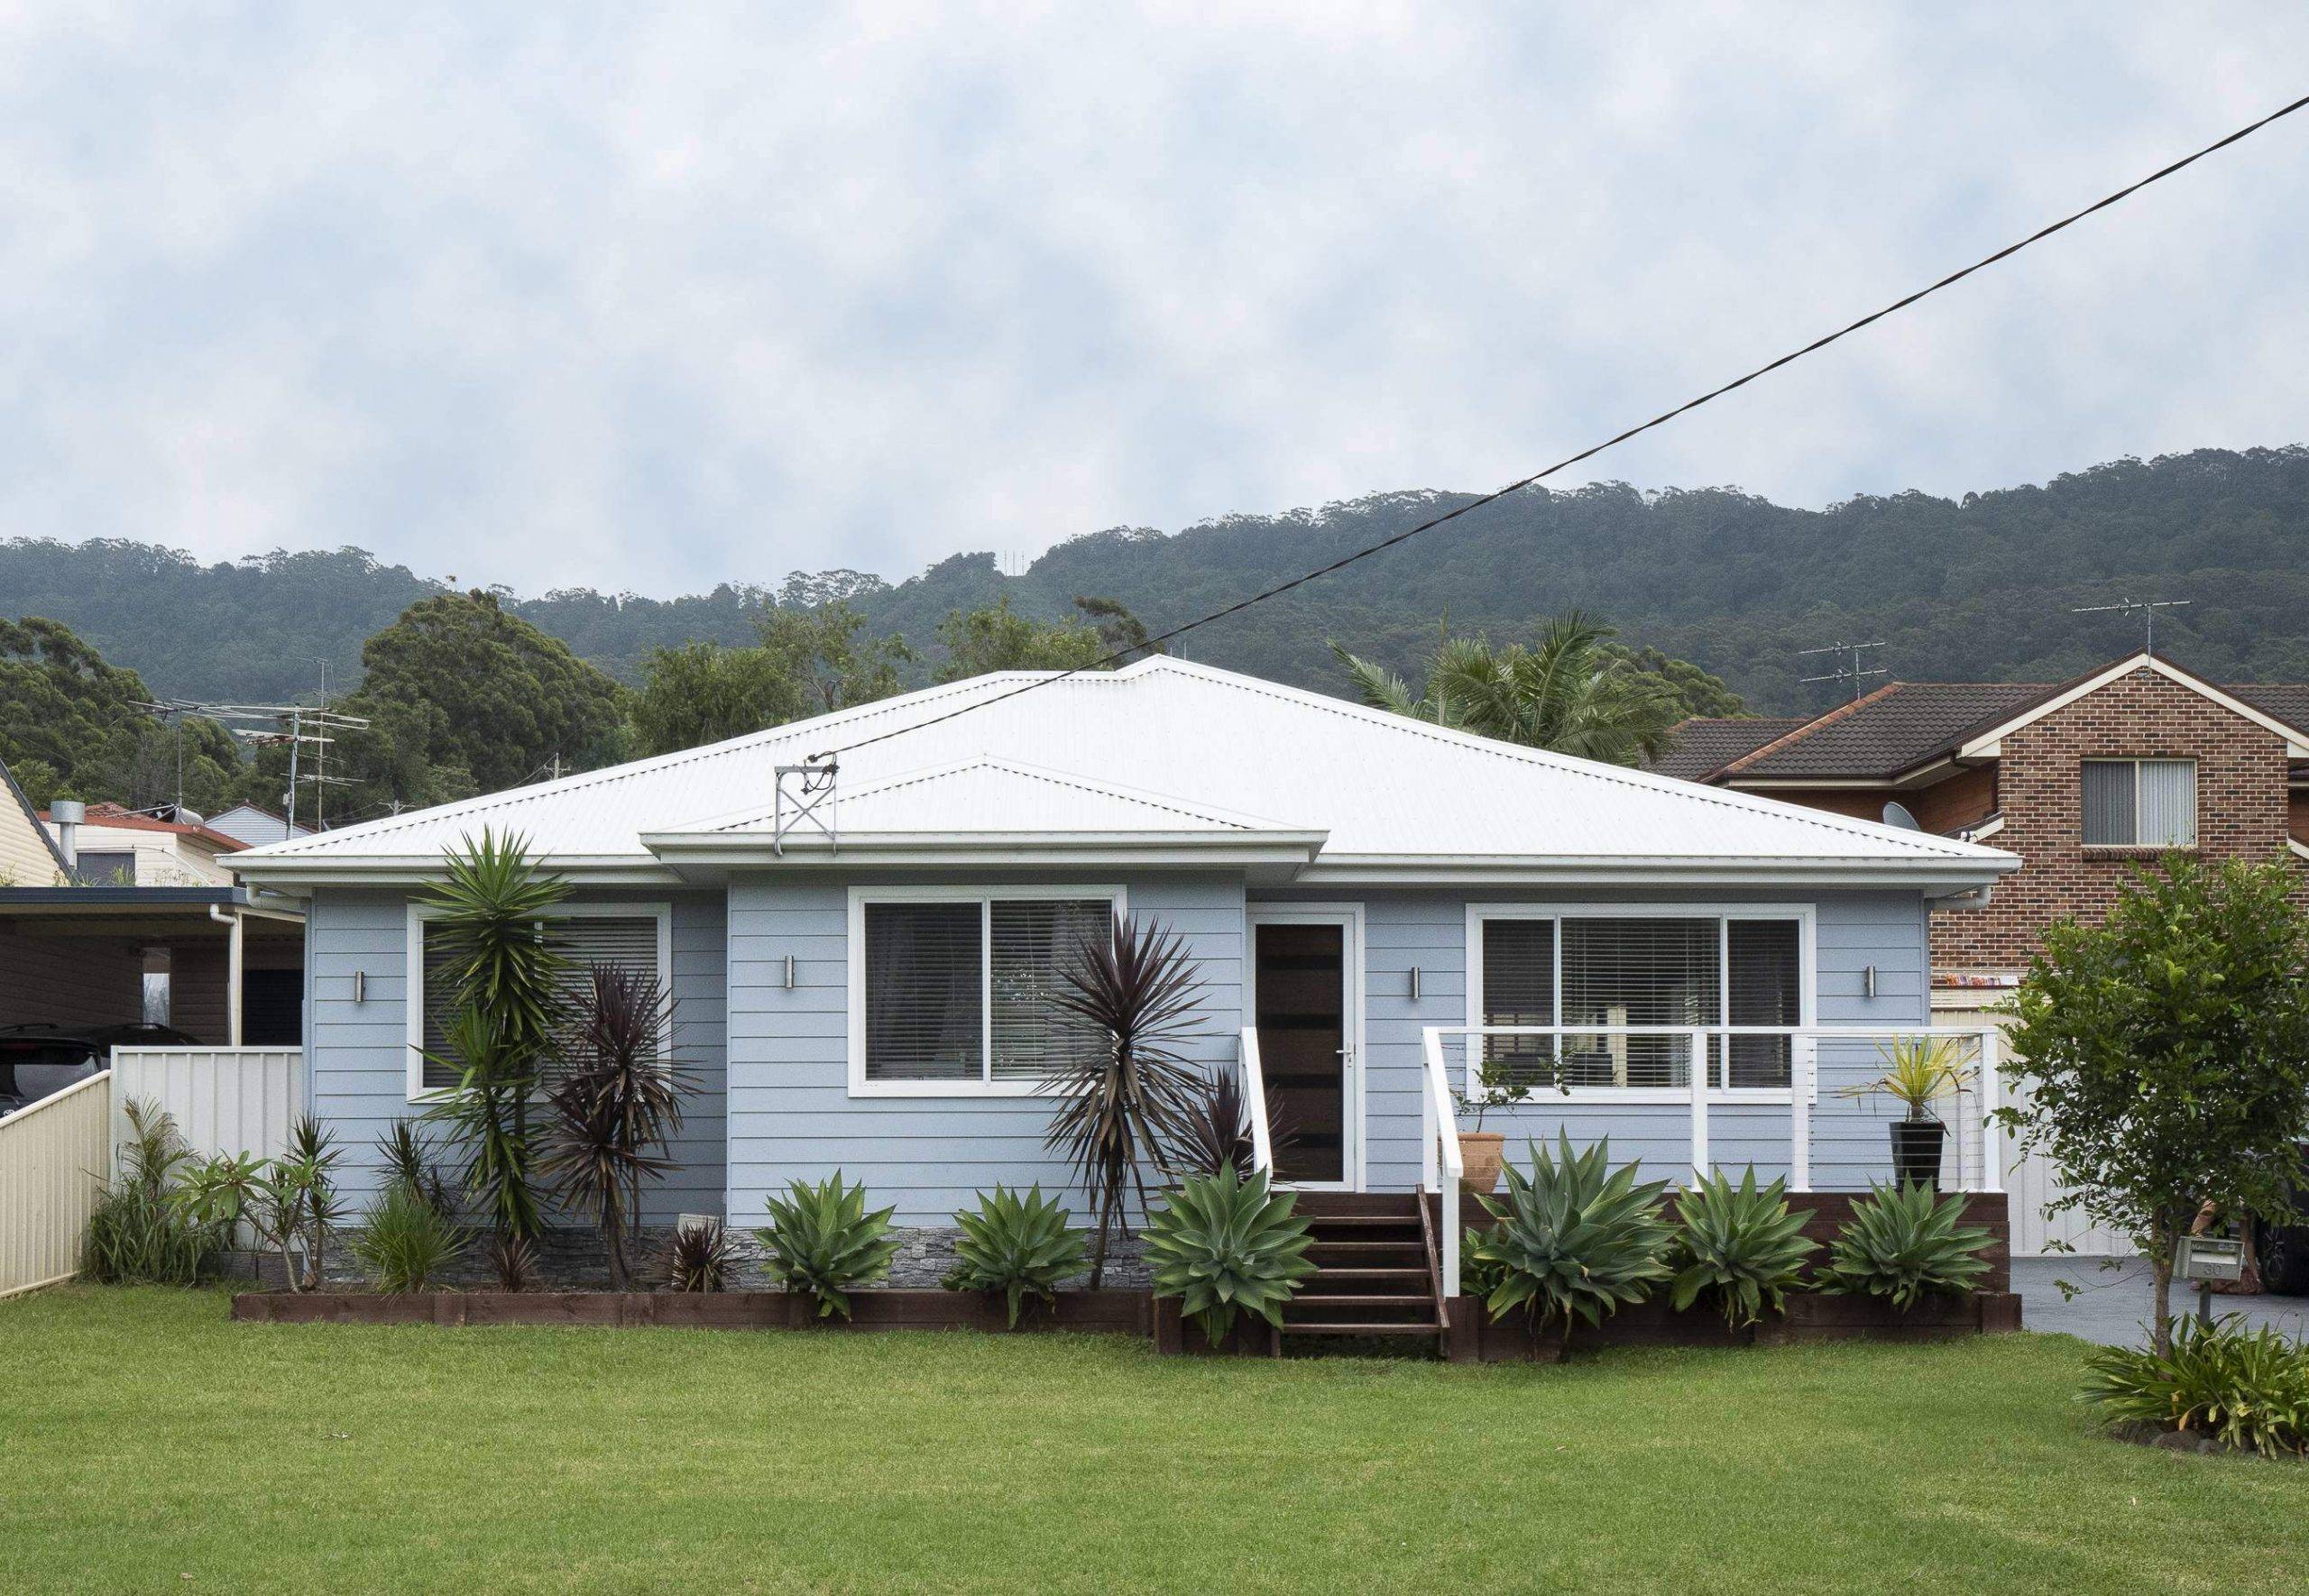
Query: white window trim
1808,981
854,957
2137,761
413,1002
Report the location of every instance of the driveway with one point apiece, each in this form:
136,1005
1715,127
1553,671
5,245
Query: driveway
2111,1305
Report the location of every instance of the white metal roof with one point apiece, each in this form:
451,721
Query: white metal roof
1166,747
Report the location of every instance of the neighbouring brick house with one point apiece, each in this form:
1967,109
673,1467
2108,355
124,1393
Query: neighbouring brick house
2083,779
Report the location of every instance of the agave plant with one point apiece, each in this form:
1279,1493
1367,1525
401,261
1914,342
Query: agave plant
2247,1390
1020,1246
1136,989
1574,1237
1221,1245
701,1258
620,1097
820,1240
1903,1242
1739,1245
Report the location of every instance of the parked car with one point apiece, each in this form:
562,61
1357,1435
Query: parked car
38,1060
2283,1248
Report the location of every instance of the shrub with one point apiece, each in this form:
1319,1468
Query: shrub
406,1243
1020,1246
1220,1244
410,1159
289,1202
136,1233
1575,1236
1739,1245
821,1239
701,1258
2246,1389
1902,1243
513,1260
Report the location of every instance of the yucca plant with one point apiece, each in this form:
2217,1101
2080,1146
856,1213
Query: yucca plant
1221,1245
1574,1238
1137,990
1017,1246
1738,1245
488,914
619,1099
700,1258
410,1159
820,1240
1918,1071
405,1242
308,1170
136,1233
1903,1242
2247,1390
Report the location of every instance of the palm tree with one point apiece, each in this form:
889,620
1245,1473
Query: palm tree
1568,692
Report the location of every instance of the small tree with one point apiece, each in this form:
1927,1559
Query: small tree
2167,1053
619,1099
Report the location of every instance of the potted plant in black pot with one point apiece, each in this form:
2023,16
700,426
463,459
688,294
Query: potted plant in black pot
1918,1071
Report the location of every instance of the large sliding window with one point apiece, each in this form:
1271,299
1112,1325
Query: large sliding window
633,937
2140,802
952,988
1664,968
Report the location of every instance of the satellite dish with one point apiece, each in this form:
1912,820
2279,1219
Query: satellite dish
1897,814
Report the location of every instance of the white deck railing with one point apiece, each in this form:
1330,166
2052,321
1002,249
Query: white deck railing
1706,1090
1254,1103
1442,1164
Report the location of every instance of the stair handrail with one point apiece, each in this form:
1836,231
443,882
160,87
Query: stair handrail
1254,1103
1449,1165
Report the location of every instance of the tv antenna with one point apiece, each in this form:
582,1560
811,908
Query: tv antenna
1850,670
2147,608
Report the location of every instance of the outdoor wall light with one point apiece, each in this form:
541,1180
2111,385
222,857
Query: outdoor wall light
360,985
1414,983
789,972
1868,982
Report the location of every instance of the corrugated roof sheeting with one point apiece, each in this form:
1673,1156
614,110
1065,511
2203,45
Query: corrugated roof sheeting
1379,783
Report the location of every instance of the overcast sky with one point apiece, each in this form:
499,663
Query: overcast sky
643,300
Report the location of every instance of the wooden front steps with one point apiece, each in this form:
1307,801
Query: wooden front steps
1376,1269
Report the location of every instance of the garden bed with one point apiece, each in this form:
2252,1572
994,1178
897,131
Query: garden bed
1811,1317
1111,1312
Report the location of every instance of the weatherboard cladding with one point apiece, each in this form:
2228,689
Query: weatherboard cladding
1381,785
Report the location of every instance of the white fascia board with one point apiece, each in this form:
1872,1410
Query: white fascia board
1988,745
992,848
291,873
1934,875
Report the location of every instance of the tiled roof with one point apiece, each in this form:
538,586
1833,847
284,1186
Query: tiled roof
1704,744
1899,726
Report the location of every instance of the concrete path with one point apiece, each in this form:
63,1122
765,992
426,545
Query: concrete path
2113,1305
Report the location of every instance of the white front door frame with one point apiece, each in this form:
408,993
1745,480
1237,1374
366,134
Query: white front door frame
1348,917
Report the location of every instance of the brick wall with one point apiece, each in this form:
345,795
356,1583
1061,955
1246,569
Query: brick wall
2242,811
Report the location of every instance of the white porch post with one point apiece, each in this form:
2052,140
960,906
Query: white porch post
1699,1105
1805,1070
1991,1093
233,965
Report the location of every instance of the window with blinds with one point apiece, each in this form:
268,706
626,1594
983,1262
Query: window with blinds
627,941
2140,802
1613,970
960,989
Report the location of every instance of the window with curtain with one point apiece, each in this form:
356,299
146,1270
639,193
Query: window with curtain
959,989
1613,970
629,941
2140,802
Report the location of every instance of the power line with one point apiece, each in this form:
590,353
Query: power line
1120,654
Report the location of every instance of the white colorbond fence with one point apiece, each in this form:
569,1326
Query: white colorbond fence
54,1155
229,1100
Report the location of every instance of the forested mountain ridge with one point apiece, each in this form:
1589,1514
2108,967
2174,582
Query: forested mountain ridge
1980,587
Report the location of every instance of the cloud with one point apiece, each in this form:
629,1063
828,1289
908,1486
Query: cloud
595,296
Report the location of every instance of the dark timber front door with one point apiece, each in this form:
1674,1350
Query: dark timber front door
1301,982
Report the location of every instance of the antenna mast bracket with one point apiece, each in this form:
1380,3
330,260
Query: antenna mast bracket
806,797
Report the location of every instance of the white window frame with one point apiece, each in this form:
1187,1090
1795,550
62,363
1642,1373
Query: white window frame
854,956
1806,916
2137,761
413,1003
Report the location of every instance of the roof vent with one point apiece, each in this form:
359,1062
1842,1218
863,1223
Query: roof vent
66,815
1897,813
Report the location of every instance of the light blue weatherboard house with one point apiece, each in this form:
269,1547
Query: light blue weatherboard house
860,966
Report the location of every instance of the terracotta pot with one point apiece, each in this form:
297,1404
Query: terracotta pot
1482,1152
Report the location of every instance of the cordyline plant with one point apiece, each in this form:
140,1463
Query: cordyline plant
505,973
1127,1098
2167,1055
618,1097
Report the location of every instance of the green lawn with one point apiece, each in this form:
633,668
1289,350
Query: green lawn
149,1444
